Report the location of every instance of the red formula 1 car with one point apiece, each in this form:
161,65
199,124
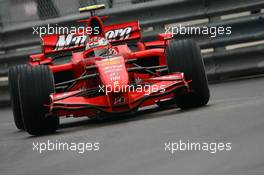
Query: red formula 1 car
100,74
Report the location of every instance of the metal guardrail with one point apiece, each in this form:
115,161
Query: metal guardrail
4,97
18,42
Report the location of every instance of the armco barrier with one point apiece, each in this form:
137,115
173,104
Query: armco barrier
17,41
4,97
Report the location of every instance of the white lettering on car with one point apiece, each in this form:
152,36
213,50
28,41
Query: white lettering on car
119,34
70,41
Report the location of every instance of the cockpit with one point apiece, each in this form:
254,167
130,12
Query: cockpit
98,47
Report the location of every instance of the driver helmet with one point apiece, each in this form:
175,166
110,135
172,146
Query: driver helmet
99,45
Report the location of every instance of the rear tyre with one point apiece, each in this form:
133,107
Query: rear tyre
13,74
35,86
185,56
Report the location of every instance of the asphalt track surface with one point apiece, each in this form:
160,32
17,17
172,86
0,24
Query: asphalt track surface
135,145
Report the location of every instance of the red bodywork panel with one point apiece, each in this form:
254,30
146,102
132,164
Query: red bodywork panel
113,71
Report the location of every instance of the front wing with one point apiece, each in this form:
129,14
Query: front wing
73,104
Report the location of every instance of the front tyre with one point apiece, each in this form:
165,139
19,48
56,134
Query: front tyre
35,86
185,56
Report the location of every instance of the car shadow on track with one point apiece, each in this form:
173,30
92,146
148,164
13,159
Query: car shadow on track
156,112
144,114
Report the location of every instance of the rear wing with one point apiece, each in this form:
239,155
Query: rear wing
69,42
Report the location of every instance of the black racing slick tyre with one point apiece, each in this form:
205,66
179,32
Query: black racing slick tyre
13,75
185,56
35,86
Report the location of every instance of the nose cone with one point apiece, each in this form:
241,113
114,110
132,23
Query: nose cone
113,73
